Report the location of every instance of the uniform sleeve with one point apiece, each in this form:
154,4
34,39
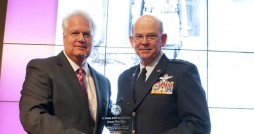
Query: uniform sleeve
192,104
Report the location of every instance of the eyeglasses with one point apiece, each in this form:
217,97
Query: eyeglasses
149,37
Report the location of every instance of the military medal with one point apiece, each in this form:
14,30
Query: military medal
164,86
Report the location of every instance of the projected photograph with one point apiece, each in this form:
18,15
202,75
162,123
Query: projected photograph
112,48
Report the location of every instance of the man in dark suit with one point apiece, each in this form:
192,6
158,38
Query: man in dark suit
52,99
171,99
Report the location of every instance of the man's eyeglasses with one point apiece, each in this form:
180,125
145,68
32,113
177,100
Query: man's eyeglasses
149,37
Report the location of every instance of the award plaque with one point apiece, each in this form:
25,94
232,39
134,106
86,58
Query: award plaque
118,124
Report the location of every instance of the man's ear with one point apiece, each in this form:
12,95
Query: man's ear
63,36
131,41
164,38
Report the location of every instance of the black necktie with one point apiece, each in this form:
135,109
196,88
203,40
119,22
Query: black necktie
140,83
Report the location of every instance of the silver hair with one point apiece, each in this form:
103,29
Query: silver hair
80,13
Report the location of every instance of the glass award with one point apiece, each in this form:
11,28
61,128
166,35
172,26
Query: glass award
117,124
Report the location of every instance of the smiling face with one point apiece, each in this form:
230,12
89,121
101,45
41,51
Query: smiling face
147,39
78,38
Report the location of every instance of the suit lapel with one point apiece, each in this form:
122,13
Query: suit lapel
156,73
97,85
68,70
69,76
129,85
132,83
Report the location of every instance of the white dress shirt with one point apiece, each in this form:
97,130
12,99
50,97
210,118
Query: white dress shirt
150,67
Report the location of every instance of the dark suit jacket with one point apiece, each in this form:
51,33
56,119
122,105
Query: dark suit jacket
52,101
185,111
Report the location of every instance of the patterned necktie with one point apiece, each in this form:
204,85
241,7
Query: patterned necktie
82,83
140,83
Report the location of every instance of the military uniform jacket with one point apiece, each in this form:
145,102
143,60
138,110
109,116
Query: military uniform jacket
173,100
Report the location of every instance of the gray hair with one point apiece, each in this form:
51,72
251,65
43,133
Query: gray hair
79,13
